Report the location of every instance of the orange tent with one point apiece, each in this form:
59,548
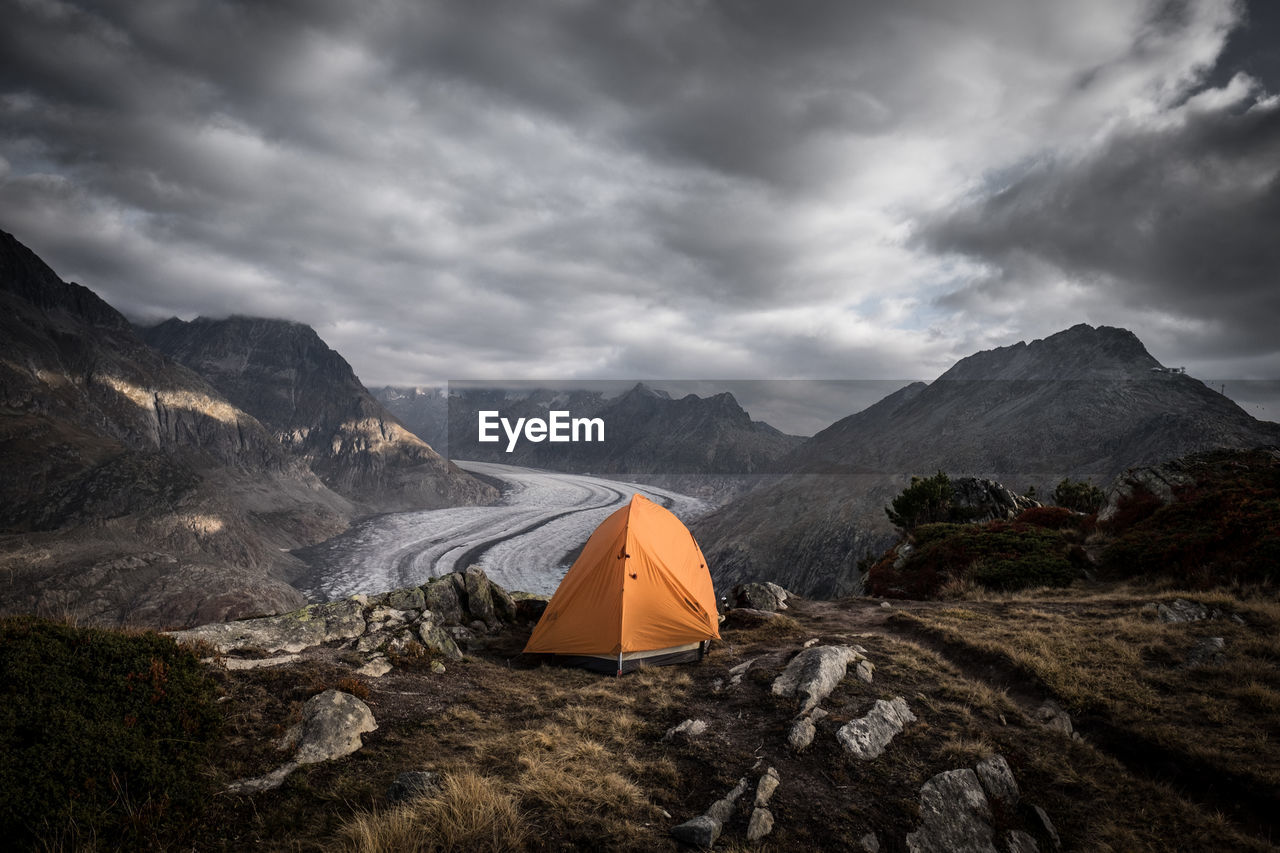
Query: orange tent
638,593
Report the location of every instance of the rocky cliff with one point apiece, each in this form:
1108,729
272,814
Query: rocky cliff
1086,403
131,488
318,410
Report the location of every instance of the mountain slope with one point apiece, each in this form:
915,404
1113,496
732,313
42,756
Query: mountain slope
1086,403
130,488
314,404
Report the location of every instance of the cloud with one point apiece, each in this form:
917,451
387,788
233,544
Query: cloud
732,189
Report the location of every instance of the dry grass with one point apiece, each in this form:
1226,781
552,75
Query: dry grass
468,812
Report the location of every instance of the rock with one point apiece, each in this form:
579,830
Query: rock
437,640
370,642
443,599
886,605
702,831
343,620
529,608
1020,842
412,785
867,738
864,670
504,606
257,663
480,596
386,617
955,816
814,673
760,825
1181,610
811,643
332,723
1207,652
768,597
375,668
437,667
997,779
869,842
768,783
1046,827
407,599
1052,715
986,500
801,735
746,617
722,809
687,729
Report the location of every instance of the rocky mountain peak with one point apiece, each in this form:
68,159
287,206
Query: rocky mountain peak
1080,352
24,275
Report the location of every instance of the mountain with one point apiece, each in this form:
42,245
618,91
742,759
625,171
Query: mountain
1085,403
309,397
131,488
646,431
423,410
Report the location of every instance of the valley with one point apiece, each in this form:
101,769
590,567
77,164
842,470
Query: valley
524,542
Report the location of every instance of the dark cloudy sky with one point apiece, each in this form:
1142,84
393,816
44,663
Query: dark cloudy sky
672,189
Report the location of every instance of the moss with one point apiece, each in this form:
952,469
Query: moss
105,736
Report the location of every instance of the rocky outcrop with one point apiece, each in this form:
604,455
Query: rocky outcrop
766,596
371,624
308,395
955,816
980,499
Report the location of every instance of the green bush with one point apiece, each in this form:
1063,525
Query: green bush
104,737
926,501
1079,496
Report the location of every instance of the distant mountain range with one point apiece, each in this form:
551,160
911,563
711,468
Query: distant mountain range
1086,403
134,488
647,432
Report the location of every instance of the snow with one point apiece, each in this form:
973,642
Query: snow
523,543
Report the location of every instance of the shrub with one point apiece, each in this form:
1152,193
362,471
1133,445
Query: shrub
105,736
1080,496
927,500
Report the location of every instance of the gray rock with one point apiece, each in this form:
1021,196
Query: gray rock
869,842
722,809
768,783
407,599
768,597
687,729
1020,842
289,632
443,599
370,642
480,596
343,620
1181,610
332,724
865,670
412,785
1051,715
437,639
1047,828
814,673
868,737
955,816
375,668
437,667
702,831
997,778
504,605
1207,652
760,825
801,735
257,663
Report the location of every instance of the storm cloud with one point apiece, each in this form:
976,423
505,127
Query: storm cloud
658,189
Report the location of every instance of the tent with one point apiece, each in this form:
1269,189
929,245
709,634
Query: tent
639,593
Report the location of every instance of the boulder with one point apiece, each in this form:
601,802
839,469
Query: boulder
332,723
1051,715
768,597
997,779
760,825
289,632
443,599
529,608
722,809
955,816
409,786
1020,842
1207,652
865,671
480,596
411,598
1181,610
702,831
814,673
768,783
1046,827
867,738
687,729
375,668
436,639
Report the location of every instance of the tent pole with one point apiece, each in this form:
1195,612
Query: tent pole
619,663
